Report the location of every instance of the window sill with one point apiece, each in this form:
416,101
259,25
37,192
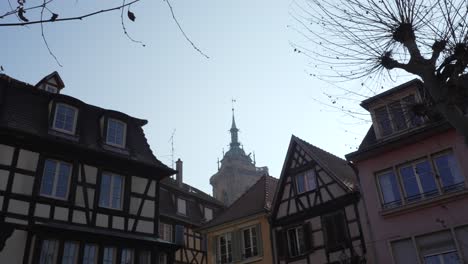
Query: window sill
251,259
119,150
430,202
64,135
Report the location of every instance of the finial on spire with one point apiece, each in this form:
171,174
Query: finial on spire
234,139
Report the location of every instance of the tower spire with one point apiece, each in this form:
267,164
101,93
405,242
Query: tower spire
234,131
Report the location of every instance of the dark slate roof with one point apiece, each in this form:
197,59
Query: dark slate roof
25,109
333,164
257,199
194,198
395,89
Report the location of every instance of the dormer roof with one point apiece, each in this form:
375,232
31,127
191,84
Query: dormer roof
51,79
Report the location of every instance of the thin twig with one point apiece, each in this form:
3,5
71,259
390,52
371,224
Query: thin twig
125,29
67,18
182,31
45,40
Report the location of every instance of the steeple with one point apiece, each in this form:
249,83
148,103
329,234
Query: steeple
234,137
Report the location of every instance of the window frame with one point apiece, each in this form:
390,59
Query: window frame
55,252
166,229
430,158
76,251
403,102
308,186
228,237
204,213
179,207
96,253
297,241
422,194
75,118
55,179
251,240
111,191
124,133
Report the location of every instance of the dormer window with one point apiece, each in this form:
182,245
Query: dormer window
65,118
396,116
51,89
116,133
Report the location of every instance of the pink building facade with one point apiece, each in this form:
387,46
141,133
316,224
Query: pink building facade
413,175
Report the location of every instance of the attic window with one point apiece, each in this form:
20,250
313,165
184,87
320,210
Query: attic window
116,133
397,116
208,214
181,206
51,89
65,118
306,181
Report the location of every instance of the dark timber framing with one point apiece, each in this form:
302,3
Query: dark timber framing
333,198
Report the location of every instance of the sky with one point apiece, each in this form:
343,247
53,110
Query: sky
182,93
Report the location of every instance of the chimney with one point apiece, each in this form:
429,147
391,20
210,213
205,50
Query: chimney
179,177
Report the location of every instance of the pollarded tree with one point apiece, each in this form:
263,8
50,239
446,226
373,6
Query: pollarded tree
426,38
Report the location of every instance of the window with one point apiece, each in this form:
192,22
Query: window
111,191
116,132
421,179
127,256
336,231
296,243
49,252
404,252
162,258
306,181
55,179
70,253
51,89
389,189
438,248
109,255
249,242
418,180
397,116
145,257
181,206
448,171
90,254
165,232
65,118
208,213
224,248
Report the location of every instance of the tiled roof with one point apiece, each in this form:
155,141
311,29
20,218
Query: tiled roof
25,109
333,164
256,199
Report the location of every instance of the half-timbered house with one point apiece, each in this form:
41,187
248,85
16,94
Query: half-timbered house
78,183
185,208
315,216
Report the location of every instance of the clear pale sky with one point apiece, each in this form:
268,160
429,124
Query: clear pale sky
173,87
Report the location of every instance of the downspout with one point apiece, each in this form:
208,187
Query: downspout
273,252
371,233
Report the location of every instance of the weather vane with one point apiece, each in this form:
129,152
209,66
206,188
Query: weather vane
233,101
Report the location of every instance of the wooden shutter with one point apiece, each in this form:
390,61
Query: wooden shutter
214,246
308,242
258,229
237,251
281,244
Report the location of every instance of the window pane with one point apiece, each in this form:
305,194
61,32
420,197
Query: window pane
65,118
48,252
247,244
117,191
70,253
105,190
300,183
451,258
300,238
398,116
62,181
410,183
127,256
292,242
389,188
426,176
415,120
145,257
115,132
404,252
448,170
311,181
109,255
47,183
90,254
383,120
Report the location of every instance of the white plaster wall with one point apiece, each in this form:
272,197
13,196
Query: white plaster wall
28,160
6,154
14,248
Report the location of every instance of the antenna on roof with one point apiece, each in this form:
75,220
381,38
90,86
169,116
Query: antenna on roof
171,139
